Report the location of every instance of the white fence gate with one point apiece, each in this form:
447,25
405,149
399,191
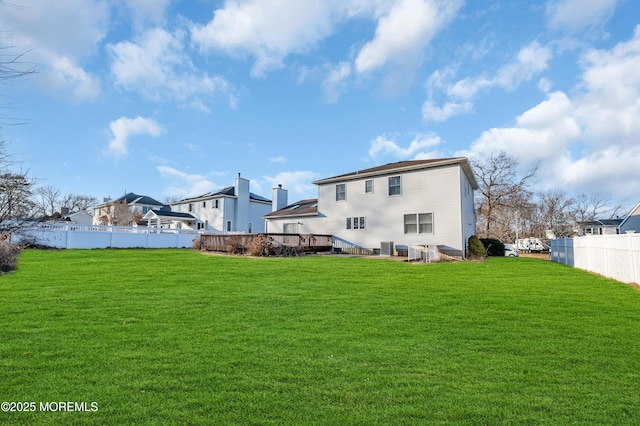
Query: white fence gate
72,236
427,253
614,256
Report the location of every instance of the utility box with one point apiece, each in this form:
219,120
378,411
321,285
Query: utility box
386,248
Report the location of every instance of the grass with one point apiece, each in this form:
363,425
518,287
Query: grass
177,337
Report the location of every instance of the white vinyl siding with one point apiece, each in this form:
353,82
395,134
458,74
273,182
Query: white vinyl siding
290,228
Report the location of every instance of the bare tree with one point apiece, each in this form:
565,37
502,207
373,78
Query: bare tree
77,202
588,207
15,200
500,188
48,200
555,208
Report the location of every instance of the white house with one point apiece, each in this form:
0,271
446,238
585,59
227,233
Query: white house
232,209
420,202
108,212
81,217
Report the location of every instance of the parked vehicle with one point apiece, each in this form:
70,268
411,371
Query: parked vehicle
532,245
511,250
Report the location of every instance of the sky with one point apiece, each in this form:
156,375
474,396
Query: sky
171,98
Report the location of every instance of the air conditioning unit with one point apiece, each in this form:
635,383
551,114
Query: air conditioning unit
386,248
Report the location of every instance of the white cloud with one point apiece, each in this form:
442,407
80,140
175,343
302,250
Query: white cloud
271,30
587,143
421,147
404,32
268,30
572,16
124,128
334,83
66,75
60,36
298,183
185,184
147,12
279,159
530,61
156,65
433,113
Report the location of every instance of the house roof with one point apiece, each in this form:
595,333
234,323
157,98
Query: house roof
301,208
228,191
168,214
602,222
132,198
634,212
405,166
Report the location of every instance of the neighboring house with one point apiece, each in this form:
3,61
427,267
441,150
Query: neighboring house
79,218
232,209
126,210
420,202
631,223
170,220
600,227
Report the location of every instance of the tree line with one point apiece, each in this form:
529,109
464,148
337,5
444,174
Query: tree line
507,207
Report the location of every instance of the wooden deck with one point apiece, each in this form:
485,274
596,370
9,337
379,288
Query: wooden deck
301,243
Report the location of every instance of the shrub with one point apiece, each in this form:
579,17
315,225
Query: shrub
475,247
234,245
197,244
493,247
8,257
261,245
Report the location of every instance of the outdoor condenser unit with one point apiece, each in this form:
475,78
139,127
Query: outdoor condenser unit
386,248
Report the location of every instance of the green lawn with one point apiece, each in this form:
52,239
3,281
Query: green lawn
178,337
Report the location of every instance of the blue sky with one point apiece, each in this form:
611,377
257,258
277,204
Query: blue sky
174,98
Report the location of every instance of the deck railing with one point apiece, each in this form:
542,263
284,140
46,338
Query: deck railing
239,242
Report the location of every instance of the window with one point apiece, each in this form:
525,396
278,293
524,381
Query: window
425,223
190,207
356,222
215,204
204,204
228,226
250,227
290,228
368,186
410,224
394,185
341,192
421,223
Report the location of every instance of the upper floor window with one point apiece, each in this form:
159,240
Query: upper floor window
190,207
394,185
215,204
341,192
204,204
368,186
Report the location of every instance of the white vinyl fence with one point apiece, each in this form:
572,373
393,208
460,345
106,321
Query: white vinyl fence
614,256
72,236
427,253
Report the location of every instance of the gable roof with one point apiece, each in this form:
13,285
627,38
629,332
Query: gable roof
168,214
301,208
602,222
634,212
229,191
405,166
133,198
